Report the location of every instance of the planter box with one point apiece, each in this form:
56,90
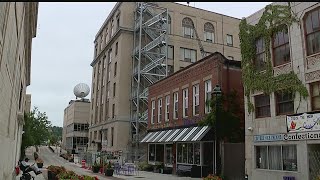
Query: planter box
108,172
52,176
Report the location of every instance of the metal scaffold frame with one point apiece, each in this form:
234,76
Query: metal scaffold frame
149,63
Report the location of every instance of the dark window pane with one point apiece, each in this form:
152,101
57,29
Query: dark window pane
308,24
315,20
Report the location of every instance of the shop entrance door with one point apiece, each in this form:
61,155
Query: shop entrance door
169,154
314,161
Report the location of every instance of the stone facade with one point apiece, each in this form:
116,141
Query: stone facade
307,68
102,114
18,24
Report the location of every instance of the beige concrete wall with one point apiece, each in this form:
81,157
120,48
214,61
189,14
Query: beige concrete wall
101,110
277,124
17,28
76,112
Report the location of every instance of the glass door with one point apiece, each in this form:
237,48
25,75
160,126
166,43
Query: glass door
169,154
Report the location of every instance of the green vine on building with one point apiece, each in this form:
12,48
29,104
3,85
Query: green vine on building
275,18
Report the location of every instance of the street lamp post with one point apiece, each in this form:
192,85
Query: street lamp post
217,167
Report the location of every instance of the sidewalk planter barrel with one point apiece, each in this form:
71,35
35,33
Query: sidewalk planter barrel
108,172
52,176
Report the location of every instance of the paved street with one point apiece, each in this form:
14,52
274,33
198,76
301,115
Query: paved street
51,158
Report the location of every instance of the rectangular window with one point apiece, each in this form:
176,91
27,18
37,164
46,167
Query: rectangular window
112,27
208,36
167,108
153,114
115,69
116,48
114,89
260,59
312,31
118,22
207,94
315,95
188,55
284,103
110,55
196,99
185,102
262,106
280,157
175,105
187,32
107,36
109,73
170,52
229,40
159,110
112,135
281,48
113,109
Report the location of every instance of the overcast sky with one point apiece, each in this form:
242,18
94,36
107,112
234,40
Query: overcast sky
63,49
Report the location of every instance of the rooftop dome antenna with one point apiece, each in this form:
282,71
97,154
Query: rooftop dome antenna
81,90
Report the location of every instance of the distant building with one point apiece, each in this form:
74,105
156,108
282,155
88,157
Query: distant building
75,125
117,101
178,102
282,133
18,26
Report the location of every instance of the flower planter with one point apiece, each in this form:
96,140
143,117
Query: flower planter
108,172
39,165
95,169
52,176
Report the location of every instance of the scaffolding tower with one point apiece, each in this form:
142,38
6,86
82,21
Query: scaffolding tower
150,64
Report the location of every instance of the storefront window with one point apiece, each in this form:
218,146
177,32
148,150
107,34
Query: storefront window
190,153
197,153
289,154
152,151
179,150
169,155
184,153
277,157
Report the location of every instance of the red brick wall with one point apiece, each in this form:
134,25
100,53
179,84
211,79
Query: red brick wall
194,72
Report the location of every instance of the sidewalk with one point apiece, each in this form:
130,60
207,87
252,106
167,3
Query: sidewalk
29,154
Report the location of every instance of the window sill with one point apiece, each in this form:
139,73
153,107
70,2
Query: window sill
262,117
280,171
281,65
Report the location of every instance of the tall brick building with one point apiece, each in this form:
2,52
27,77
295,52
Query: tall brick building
177,103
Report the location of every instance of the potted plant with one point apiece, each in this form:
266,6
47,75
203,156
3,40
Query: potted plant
39,162
212,177
95,167
108,170
53,172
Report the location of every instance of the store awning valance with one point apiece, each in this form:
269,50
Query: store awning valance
176,135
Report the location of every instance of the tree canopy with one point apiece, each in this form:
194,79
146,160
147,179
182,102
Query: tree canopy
228,110
36,129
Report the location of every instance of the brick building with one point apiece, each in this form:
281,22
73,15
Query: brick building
174,137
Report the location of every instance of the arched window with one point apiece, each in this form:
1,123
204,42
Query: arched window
280,48
187,27
169,24
312,31
208,32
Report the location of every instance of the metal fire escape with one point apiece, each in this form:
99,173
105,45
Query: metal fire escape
149,64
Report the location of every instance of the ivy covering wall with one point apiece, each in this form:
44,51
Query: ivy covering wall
275,18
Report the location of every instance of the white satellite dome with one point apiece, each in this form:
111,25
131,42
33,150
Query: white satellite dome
81,90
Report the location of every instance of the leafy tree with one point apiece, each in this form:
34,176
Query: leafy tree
224,118
36,129
228,112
